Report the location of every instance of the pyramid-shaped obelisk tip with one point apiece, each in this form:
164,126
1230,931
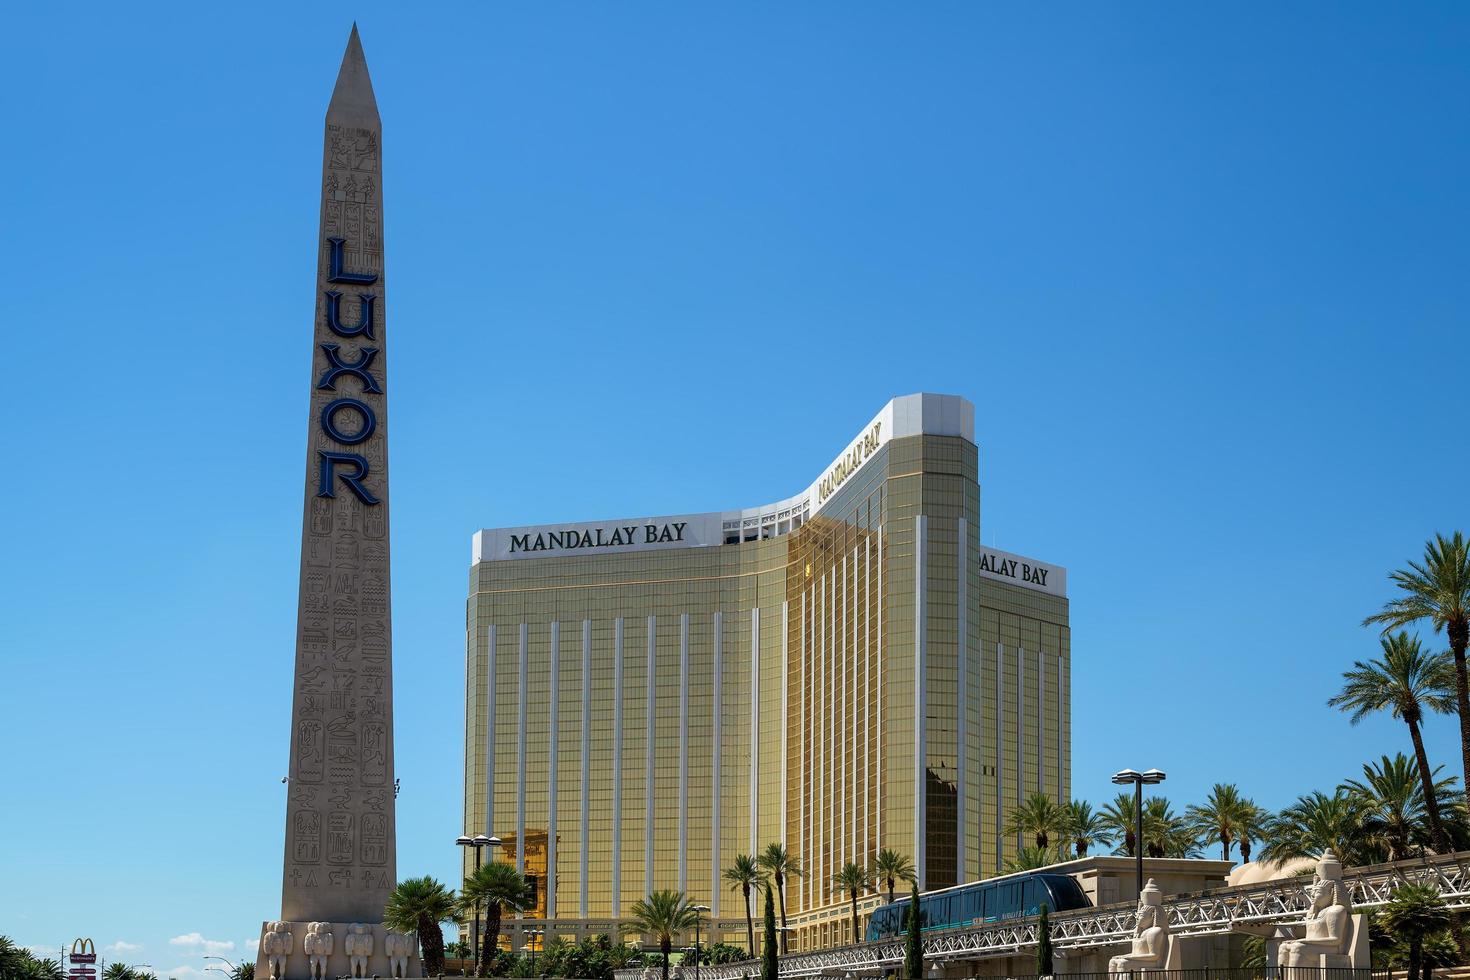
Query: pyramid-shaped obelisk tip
352,100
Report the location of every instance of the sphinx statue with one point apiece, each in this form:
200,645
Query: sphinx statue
399,947
277,943
1150,949
317,945
1327,937
358,947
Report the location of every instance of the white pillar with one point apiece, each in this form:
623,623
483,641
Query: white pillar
586,763
1000,767
716,736
921,706
552,768
521,763
651,700
490,738
962,754
755,725
684,752
616,891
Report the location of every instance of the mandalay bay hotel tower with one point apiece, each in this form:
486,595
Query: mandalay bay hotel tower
842,671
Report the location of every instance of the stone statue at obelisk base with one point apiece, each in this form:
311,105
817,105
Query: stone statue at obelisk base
340,862
1332,937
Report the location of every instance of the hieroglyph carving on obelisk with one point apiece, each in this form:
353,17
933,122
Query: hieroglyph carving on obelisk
340,844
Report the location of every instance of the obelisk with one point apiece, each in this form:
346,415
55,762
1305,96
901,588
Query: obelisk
340,861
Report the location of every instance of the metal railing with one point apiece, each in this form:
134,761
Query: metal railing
1244,908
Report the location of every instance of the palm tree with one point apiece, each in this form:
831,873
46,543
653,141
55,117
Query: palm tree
1039,817
1438,950
117,971
1251,826
11,957
853,879
39,968
663,915
244,970
1218,817
1121,818
1029,859
1315,823
1166,834
1414,912
1392,796
417,906
891,867
1405,682
1084,827
781,865
745,874
499,888
1438,589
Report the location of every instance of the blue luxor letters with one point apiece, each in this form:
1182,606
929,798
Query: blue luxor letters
350,468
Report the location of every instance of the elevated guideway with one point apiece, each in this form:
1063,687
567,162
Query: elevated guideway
1257,908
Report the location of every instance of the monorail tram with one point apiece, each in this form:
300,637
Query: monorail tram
993,900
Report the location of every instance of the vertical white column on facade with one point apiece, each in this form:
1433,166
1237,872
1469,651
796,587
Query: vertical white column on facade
586,762
717,724
1061,772
803,768
1041,722
490,737
921,705
841,716
552,768
785,706
617,812
854,721
755,725
962,699
1020,728
882,709
868,706
683,752
1000,749
521,765
651,700
830,783
819,734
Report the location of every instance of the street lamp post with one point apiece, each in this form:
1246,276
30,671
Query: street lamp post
477,842
699,911
465,840
531,935
229,973
1125,777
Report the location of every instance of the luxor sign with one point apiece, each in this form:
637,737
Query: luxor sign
349,467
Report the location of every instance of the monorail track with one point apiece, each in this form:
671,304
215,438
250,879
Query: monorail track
1245,908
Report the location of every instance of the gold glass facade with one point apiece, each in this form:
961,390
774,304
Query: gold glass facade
851,681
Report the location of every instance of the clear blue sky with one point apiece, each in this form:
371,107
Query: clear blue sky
1202,272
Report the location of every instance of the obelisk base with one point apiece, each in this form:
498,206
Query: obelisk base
296,964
